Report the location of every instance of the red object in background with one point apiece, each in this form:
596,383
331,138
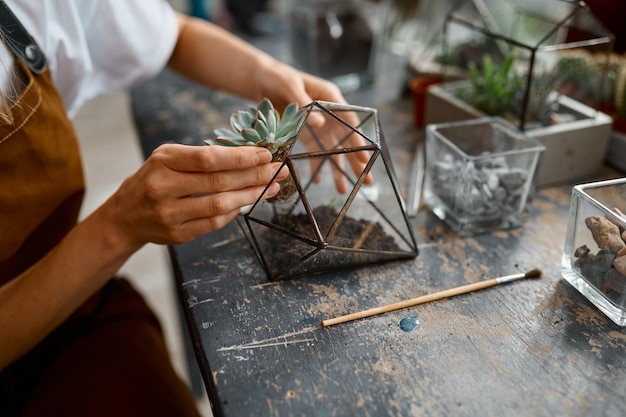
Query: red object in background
619,125
612,14
419,87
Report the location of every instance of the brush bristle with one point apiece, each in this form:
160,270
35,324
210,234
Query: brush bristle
533,273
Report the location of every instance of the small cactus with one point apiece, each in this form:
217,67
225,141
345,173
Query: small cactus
494,89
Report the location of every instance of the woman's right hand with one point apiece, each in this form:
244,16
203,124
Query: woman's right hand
182,192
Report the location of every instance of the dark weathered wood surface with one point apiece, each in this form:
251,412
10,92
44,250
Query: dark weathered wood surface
531,348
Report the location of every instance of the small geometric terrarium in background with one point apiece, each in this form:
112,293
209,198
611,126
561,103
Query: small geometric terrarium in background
335,217
524,61
594,256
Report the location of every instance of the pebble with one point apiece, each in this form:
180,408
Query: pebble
615,281
605,233
603,261
620,264
483,188
592,274
581,251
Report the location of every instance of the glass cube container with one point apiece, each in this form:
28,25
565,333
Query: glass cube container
336,217
479,174
339,40
594,255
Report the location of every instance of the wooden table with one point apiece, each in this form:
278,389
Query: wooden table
531,348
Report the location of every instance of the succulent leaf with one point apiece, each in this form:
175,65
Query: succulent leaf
240,120
251,135
265,107
262,128
226,142
272,120
227,134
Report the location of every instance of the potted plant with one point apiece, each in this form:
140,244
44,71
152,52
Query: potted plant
334,218
575,135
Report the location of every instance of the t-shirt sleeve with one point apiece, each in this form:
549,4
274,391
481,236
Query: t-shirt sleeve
130,40
126,41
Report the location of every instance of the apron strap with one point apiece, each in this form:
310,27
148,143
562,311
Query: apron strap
20,42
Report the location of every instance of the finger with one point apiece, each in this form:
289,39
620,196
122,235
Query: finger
201,226
186,158
319,88
218,204
179,184
358,161
338,176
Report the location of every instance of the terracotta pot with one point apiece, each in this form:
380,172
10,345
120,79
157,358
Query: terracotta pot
419,87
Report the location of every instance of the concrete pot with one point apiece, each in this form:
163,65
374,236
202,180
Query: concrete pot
574,150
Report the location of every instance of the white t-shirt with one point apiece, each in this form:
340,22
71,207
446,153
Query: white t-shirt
96,46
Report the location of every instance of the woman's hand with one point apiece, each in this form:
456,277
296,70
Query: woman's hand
283,84
216,58
182,192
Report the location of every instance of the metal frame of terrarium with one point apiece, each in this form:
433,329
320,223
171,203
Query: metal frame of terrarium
477,16
254,225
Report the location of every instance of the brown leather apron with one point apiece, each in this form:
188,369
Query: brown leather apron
42,177
110,357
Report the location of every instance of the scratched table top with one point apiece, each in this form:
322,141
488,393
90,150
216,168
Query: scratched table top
529,348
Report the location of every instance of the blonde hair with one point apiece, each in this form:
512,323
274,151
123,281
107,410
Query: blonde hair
6,114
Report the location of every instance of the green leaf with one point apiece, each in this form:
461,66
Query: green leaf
272,121
265,107
290,111
227,134
290,124
261,128
241,120
227,142
251,135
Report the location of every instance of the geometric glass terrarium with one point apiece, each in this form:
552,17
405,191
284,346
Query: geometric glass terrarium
548,42
335,218
594,256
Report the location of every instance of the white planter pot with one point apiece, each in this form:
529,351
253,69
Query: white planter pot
574,150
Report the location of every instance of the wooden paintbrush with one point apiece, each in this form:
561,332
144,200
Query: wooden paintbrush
535,273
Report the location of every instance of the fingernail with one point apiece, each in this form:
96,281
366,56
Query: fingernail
281,170
273,189
245,209
263,156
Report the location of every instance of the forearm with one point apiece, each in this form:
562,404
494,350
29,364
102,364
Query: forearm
213,57
179,193
33,304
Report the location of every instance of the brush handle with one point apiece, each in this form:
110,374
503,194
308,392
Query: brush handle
423,299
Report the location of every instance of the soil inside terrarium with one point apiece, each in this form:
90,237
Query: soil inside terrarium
282,252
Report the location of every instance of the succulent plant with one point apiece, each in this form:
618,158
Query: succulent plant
261,126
